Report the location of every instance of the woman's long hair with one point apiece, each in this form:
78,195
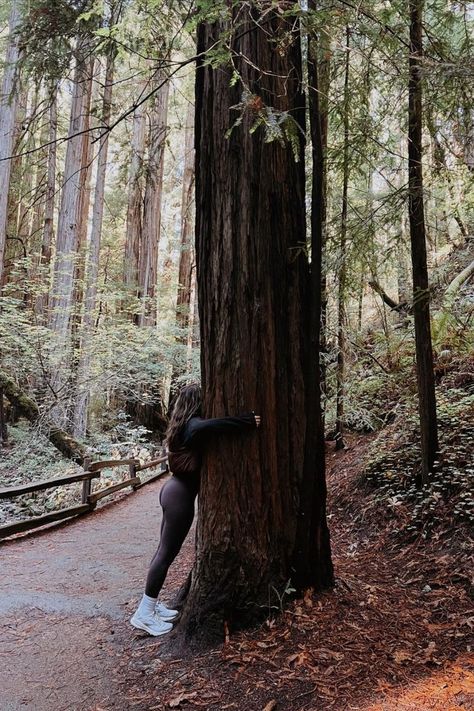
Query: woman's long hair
187,405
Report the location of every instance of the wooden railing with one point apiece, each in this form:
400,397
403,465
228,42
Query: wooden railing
89,497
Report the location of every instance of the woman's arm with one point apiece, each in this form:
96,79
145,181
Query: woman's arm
198,429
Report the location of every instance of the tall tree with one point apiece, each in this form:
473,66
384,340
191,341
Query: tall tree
311,550
183,298
151,225
92,272
70,227
8,100
253,282
342,270
49,194
421,293
135,201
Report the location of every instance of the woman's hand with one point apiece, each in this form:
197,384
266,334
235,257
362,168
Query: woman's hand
258,420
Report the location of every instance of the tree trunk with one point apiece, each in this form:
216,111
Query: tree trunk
187,225
135,200
69,229
183,298
421,294
16,247
253,295
3,421
321,45
8,100
87,330
150,234
311,557
341,296
49,198
402,308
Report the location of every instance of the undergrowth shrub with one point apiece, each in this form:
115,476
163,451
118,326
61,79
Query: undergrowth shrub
393,466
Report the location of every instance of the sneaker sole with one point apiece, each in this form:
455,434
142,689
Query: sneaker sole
141,626
165,618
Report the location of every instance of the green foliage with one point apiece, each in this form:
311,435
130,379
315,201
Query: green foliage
392,468
277,125
29,456
49,31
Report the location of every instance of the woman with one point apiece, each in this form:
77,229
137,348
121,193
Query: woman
187,436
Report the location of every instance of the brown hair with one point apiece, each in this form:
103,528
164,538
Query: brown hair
187,405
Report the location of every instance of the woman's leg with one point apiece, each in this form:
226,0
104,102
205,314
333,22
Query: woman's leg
177,501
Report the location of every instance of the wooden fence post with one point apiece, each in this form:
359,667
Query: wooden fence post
164,465
87,483
132,468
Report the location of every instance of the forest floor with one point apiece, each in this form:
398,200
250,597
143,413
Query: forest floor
393,635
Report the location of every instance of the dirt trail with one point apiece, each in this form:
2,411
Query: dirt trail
65,597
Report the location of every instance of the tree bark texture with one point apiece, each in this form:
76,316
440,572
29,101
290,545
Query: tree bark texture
421,295
3,421
70,229
49,197
92,272
253,282
187,227
71,209
7,123
319,72
151,227
311,530
341,294
185,269
135,202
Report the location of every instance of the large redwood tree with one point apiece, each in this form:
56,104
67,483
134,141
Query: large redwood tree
262,501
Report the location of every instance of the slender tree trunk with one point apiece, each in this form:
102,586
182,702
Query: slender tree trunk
69,229
8,100
185,257
323,78
253,283
150,234
421,294
25,211
312,536
41,182
87,331
49,200
195,328
3,421
341,308
16,247
360,301
135,203
183,298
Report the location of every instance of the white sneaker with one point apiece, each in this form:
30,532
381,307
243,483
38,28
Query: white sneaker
164,612
151,624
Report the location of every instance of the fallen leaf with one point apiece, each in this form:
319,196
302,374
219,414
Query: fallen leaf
271,705
428,653
183,696
401,655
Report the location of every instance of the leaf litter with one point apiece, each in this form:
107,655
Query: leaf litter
395,633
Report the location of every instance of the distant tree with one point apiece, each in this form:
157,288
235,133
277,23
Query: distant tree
8,102
421,293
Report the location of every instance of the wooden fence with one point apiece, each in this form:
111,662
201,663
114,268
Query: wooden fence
89,496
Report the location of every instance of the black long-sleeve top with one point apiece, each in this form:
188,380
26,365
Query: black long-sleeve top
186,459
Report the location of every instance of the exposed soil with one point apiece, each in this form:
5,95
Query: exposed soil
394,634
